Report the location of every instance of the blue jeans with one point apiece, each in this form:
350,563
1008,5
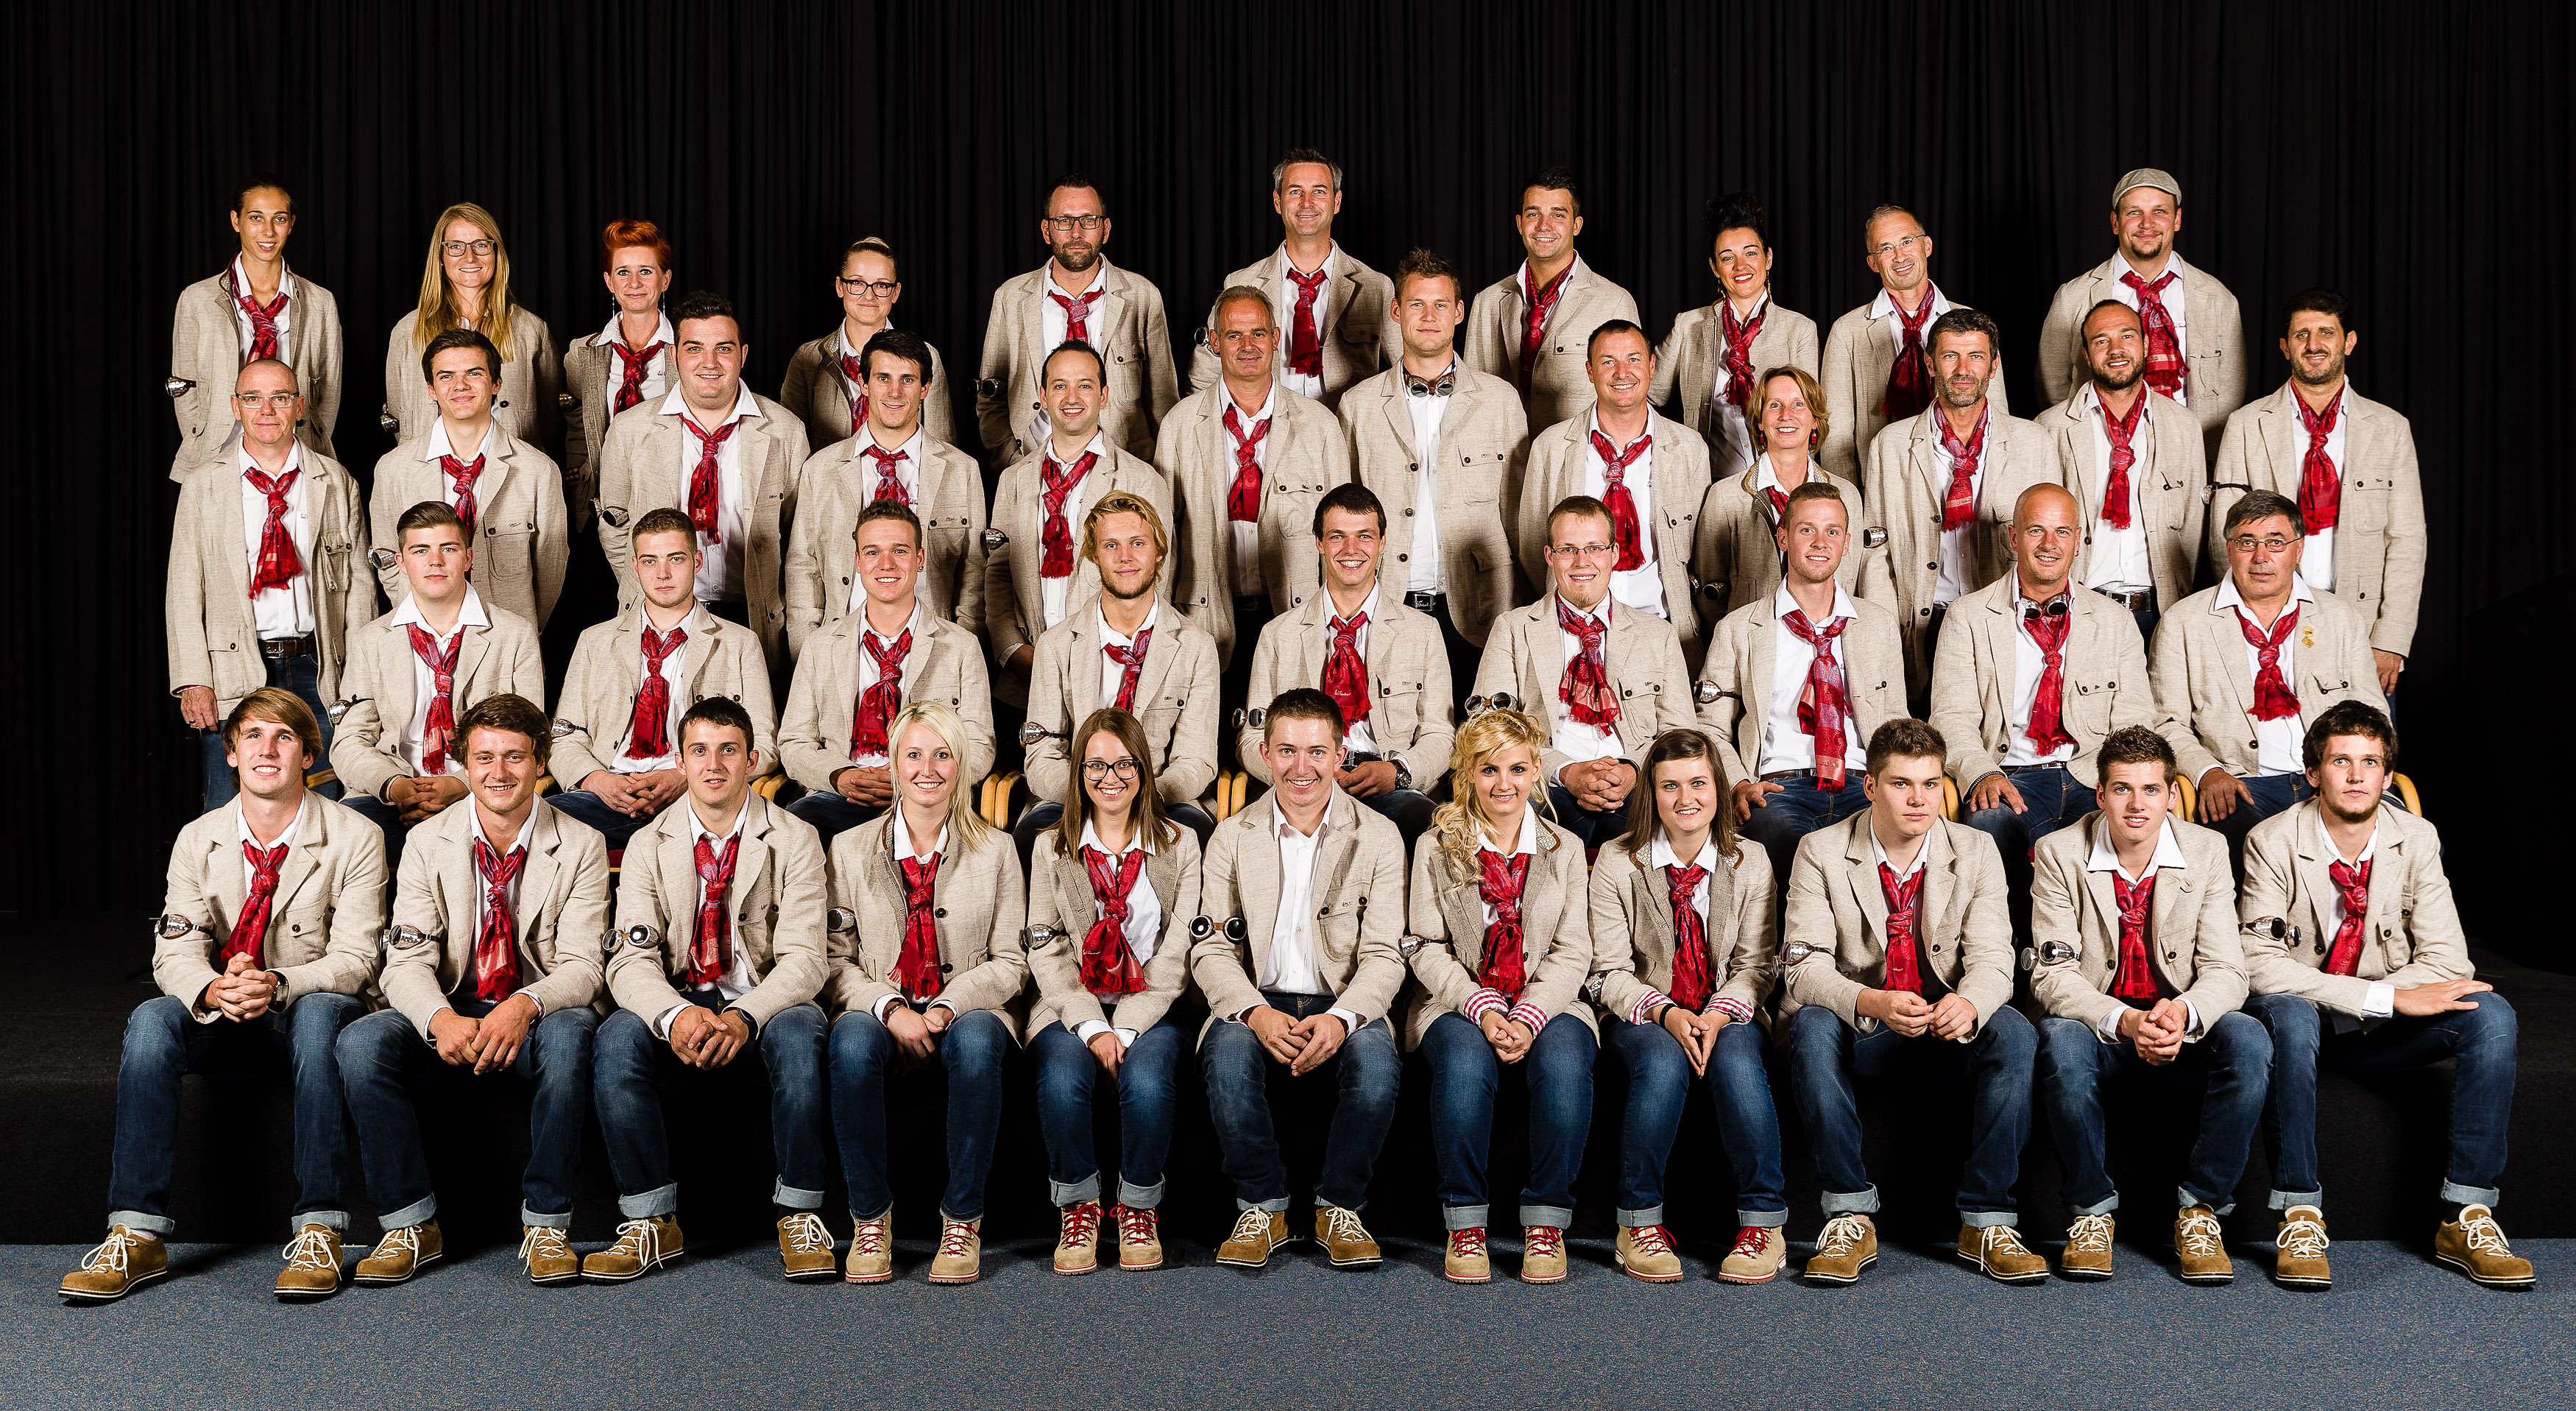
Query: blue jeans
2232,1062
971,1051
302,675
1595,829
1800,808
1409,810
583,806
2050,799
1464,1073
1238,1070
2482,1039
1068,1075
1739,1092
632,1070
163,1043
383,1059
831,814
1827,1055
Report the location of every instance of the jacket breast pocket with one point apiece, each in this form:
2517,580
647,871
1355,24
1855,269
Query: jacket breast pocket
1479,476
1161,717
2365,502
1337,929
302,934
335,566
2093,700
509,548
1396,717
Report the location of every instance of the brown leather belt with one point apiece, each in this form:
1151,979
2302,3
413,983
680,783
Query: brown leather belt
1775,778
2145,598
281,648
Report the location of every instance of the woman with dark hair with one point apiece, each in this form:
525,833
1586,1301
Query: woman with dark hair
1116,885
465,283
627,363
1711,354
1682,925
1500,944
827,381
256,309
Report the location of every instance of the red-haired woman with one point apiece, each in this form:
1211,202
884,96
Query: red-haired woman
627,363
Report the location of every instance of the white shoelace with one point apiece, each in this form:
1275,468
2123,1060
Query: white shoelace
541,1240
641,1239
2200,1236
407,1241
311,1249
1250,1225
2484,1235
2091,1234
1993,1237
2303,1238
1345,1225
111,1252
806,1233
1842,1234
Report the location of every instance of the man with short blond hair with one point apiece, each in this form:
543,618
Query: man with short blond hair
1331,312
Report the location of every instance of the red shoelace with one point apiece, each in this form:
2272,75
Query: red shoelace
1137,1226
1468,1243
957,1239
1651,1239
1751,1242
1541,1241
1081,1224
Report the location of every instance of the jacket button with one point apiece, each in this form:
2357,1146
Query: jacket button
1408,514
945,967
1399,558
1322,911
942,911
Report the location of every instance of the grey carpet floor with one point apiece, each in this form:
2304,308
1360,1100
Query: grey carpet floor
722,1329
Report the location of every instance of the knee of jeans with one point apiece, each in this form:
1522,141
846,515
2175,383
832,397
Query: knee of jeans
1374,1064
1816,1031
2241,1037
857,1037
1565,1049
2290,1019
373,1043
973,1046
158,1025
1997,822
2011,1034
2068,1042
2492,1022
624,1042
1654,1057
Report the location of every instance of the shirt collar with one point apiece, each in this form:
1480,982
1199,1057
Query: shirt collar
2106,858
1884,306
1109,634
1782,604
744,404
285,283
1661,854
474,824
295,825
2146,395
1331,257
1098,445
1600,611
1269,404
1048,285
1878,853
1136,840
911,624
439,445
1529,287
615,332
470,615
903,847
2334,854
294,455
1367,607
1594,418
698,828
841,339
1286,831
1525,842
910,451
2228,597
2173,265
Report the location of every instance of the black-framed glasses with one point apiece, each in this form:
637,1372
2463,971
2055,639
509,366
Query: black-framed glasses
1066,225
2247,543
876,288
457,249
1094,770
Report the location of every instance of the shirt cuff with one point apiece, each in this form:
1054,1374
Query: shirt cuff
2191,1022
1350,1021
2381,1002
1482,1002
884,1003
662,1025
1643,1011
1732,1008
2108,1026
1092,1030
1528,1016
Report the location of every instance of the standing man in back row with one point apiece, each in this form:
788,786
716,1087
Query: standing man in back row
1529,327
1874,374
1332,312
2195,336
1077,296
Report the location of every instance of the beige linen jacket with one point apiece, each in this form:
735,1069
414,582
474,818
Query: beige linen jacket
778,899
1411,715
212,638
598,702
981,900
1558,388
1060,899
1835,936
1303,458
2191,929
561,910
2411,936
521,542
206,351
1359,869
1129,329
322,920
1484,442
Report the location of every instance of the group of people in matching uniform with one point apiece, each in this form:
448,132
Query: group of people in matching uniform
1452,671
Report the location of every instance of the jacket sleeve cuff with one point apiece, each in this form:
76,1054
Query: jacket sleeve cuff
1481,1003
1643,1011
1731,1007
1528,1016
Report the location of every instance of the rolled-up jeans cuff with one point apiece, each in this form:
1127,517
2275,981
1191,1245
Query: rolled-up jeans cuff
1464,1217
1555,1217
1633,1219
2106,1205
1850,1203
161,1225
1073,1193
787,1196
1762,1219
335,1219
419,1212
541,1220
2185,1196
1277,1205
1140,1197
2283,1200
1983,1219
652,1204
2471,1195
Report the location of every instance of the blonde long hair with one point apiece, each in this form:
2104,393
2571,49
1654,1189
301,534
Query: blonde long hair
438,312
1461,824
968,826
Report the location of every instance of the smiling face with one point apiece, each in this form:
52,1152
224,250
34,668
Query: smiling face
1580,551
1112,786
1547,224
2047,530
926,770
2316,346
1742,264
666,565
717,762
1350,544
435,562
270,760
1244,340
468,253
1813,537
1685,797
1905,795
2351,776
1788,423
1073,394
889,561
710,355
636,279
2115,348
265,219
1305,757
2134,799
1502,782
1622,369
1306,201
1428,312
1900,254
1123,549
2146,221
869,289
461,380
501,767
894,392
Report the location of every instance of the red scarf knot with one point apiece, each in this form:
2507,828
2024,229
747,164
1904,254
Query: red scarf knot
2353,884
1108,963
711,943
496,943
706,482
278,564
1305,346
1585,687
1904,957
1624,525
442,698
916,972
1504,966
630,386
2165,370
2273,698
2048,628
1056,485
880,703
1243,497
1694,970
2135,980
1824,703
1959,507
250,929
1345,673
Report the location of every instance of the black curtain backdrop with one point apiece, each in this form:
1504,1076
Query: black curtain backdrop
2398,152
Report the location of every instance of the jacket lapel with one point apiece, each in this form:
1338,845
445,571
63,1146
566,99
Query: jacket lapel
1400,420
2315,882
1663,929
1861,872
498,448
2229,641
469,658
1258,869
2002,652
537,877
302,860
748,864
1159,656
677,854
224,868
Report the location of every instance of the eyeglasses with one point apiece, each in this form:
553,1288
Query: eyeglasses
252,401
1906,245
2247,543
874,289
456,249
1066,225
1094,770
1584,551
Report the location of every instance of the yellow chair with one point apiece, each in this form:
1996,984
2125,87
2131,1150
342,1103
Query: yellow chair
327,776
2186,798
2406,791
767,786
1949,798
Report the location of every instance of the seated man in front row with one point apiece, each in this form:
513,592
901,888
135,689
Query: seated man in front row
266,942
1380,661
1897,957
1608,679
1300,975
492,966
2137,970
2358,962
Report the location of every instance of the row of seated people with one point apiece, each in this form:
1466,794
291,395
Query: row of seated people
741,955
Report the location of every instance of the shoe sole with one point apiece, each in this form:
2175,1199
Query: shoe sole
1076,1269
138,1281
1543,1279
1365,1262
1484,1278
1625,1268
550,1280
2483,1282
1239,1262
2034,1277
2082,1275
306,1295
649,1266
1726,1278
956,1278
885,1277
380,1281
1840,1280
2209,1279
1139,1266
2301,1281
812,1276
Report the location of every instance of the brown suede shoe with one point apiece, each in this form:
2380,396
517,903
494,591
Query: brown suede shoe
123,1262
1140,1239
1759,1252
805,1248
1256,1234
960,1259
1542,1254
1345,1240
1646,1252
642,1245
1999,1254
1466,1261
401,1253
2302,1242
2202,1247
1847,1245
1077,1238
2474,1245
2088,1249
312,1265
548,1255
871,1250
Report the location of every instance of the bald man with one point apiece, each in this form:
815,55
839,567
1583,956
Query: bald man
2135,461
2032,672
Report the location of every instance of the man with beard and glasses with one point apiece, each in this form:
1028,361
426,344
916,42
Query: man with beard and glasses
1077,296
2195,340
1874,374
1333,313
2349,462
2135,463
1529,327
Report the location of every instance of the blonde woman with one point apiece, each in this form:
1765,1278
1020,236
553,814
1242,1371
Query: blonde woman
1738,554
1709,357
1501,943
465,283
826,383
930,971
1683,943
1116,882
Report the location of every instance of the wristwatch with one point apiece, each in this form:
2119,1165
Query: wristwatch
1403,776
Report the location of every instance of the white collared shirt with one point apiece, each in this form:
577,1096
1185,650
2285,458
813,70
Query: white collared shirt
2381,1001
1245,535
2280,746
1112,675
1884,312
1733,426
1580,744
282,840
1287,318
1422,573
287,611
1659,857
867,666
243,329
675,674
2029,664
2317,561
1784,745
1055,594
682,933
1052,324
1878,854
2170,296
424,686
1527,286
907,473
1356,737
1958,545
1641,587
1293,966
905,847
2119,562
657,369
1144,929
2106,858
720,570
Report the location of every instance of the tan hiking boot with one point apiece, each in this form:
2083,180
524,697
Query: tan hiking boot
1542,1254
312,1265
960,1259
641,1246
2088,1249
123,1262
1256,1234
1847,1245
1759,1252
548,1254
2474,1245
1646,1252
805,1247
401,1253
2302,1241
1077,1239
1345,1240
1999,1254
1466,1262
871,1250
1140,1238
2202,1247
